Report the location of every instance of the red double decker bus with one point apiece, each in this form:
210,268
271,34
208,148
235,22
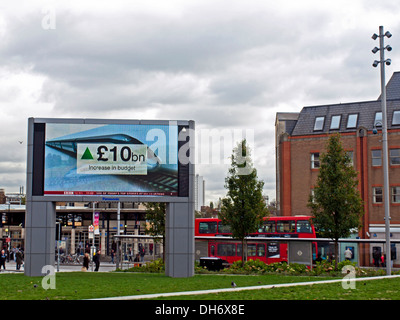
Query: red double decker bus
266,251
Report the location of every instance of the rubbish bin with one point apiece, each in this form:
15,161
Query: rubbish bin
212,263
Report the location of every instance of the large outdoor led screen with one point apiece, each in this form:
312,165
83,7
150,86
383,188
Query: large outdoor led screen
110,159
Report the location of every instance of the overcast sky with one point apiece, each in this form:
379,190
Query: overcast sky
228,65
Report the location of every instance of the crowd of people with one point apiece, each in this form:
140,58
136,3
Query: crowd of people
128,255
16,254
379,258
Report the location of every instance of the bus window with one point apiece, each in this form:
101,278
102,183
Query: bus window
225,249
304,226
239,250
212,250
223,228
207,227
260,250
285,226
251,250
268,227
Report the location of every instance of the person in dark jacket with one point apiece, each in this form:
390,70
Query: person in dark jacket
3,257
86,261
376,257
18,259
96,259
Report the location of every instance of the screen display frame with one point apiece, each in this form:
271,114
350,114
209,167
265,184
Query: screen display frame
169,179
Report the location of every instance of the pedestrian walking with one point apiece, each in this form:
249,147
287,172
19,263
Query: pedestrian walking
14,253
96,260
86,261
3,258
376,257
137,259
383,260
18,259
130,254
141,251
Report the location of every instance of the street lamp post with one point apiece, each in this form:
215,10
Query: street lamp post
386,194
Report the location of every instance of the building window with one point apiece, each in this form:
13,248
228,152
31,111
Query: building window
335,122
394,155
319,123
315,160
396,117
395,194
376,158
378,119
377,195
350,155
312,194
352,121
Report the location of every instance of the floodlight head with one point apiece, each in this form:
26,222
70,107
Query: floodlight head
374,36
388,48
388,34
375,50
375,64
388,62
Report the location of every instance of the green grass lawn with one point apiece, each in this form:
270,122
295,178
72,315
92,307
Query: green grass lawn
386,289
88,285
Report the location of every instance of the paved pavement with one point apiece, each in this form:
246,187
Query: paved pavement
104,267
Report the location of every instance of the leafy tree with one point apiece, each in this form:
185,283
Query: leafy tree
243,208
336,206
155,215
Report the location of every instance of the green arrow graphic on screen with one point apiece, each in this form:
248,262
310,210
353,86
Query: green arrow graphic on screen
87,155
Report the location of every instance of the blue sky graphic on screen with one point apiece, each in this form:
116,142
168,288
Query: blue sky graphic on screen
114,159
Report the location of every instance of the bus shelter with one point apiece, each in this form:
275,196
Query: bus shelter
132,250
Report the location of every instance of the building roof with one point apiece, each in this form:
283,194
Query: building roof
324,115
393,87
283,116
289,119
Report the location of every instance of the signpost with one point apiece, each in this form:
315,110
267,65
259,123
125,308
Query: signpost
118,233
91,231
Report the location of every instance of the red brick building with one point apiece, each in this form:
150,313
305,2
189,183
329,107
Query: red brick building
302,137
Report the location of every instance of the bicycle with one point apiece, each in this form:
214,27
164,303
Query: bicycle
76,258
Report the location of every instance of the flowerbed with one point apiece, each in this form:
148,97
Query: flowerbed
324,268
320,268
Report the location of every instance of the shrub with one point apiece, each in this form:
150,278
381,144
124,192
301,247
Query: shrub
324,268
153,266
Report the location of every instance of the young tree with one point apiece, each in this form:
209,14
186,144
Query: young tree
244,207
336,206
155,215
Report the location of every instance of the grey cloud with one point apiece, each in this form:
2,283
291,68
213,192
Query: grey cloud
128,41
9,168
222,64
89,57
